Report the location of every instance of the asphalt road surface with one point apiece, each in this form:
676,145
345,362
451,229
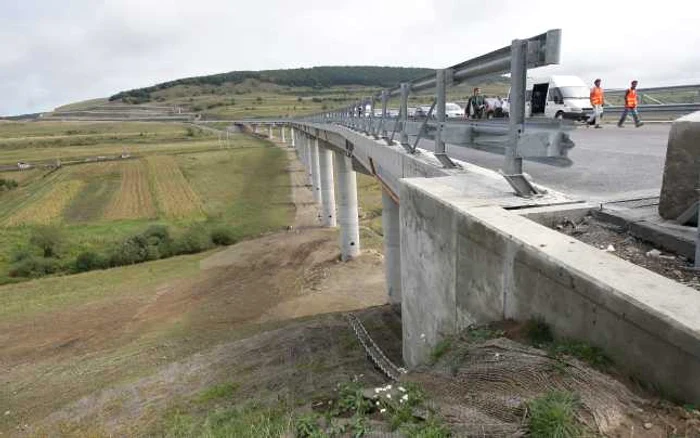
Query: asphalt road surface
609,164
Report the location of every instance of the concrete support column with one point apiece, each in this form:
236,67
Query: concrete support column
391,226
293,135
325,160
309,160
347,208
315,171
284,139
255,129
269,130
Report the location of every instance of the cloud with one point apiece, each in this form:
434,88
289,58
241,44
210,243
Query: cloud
60,52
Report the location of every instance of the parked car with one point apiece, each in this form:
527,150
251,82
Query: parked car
421,112
453,111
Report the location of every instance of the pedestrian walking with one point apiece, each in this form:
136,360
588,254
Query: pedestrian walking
631,106
476,104
597,101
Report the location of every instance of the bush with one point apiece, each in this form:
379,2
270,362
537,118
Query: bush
88,261
132,250
223,236
195,239
7,184
48,238
33,267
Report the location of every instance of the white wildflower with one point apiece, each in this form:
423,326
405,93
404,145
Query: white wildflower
388,396
382,410
402,389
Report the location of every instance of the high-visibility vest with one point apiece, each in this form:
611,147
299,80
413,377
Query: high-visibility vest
596,96
631,98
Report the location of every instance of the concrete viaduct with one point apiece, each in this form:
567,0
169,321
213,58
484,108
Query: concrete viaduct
461,249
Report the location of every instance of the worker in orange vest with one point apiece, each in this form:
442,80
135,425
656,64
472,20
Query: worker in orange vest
631,106
597,102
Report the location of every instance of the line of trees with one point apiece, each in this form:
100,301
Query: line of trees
318,77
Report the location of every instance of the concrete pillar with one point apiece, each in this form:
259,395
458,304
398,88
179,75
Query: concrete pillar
307,154
255,129
325,159
391,226
347,208
293,135
315,171
682,167
269,130
284,139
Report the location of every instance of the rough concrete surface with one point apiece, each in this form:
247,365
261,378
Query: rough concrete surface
682,168
480,263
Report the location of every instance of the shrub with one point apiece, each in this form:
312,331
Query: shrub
194,240
48,238
132,250
223,236
7,184
33,267
88,261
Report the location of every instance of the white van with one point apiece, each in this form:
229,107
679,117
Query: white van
560,97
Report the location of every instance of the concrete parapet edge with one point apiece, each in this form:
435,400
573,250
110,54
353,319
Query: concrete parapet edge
465,261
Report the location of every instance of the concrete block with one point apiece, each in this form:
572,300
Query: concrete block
682,168
465,261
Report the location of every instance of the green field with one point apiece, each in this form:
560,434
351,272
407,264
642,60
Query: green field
176,176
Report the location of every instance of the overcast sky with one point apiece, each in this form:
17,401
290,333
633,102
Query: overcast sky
56,52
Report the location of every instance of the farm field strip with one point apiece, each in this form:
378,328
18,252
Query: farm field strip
101,184
56,128
18,199
49,208
67,153
133,199
174,195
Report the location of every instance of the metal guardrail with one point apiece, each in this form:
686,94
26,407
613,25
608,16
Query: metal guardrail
656,89
662,108
516,140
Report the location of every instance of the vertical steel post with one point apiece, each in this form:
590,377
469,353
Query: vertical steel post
440,109
518,75
513,165
405,89
385,101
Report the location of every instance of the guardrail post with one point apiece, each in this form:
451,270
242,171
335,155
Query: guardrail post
513,165
405,89
385,101
440,150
